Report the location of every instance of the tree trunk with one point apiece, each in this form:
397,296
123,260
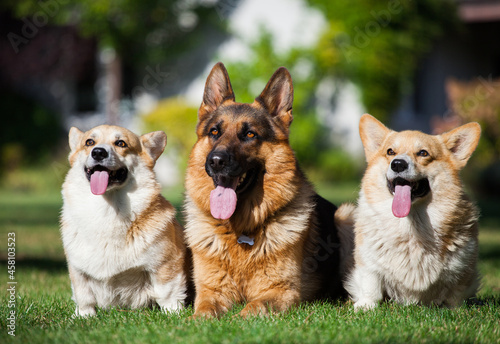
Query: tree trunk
113,77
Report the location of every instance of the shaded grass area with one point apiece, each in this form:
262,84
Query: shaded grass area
44,308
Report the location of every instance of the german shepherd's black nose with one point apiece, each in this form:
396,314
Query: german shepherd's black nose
399,165
222,163
99,154
217,161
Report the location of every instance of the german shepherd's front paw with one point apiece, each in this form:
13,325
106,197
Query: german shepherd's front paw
254,308
208,310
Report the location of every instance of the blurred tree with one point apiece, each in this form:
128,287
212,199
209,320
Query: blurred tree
35,135
178,119
478,101
374,44
308,136
128,31
377,44
137,30
135,36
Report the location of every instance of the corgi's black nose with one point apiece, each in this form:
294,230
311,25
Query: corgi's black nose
99,154
399,165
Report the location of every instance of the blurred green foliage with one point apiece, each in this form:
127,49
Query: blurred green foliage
308,136
29,132
178,120
140,31
479,101
374,44
377,44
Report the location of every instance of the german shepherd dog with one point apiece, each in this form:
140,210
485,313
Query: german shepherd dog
259,233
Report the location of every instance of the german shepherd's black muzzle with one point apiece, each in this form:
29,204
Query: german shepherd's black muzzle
223,167
228,171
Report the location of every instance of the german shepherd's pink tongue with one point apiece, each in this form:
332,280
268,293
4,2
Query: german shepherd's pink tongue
222,202
99,182
401,204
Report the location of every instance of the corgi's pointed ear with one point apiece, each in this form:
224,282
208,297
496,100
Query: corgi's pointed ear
218,89
372,133
154,143
75,136
277,96
462,141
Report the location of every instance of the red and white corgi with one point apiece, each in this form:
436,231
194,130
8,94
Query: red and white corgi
122,242
416,232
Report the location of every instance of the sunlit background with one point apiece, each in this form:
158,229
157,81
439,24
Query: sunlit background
428,65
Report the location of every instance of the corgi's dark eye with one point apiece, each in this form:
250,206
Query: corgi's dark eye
390,152
121,143
89,142
423,153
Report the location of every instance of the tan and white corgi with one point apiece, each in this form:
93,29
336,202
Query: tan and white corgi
416,232
122,242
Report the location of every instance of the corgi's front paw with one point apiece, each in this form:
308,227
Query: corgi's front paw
365,305
84,312
174,307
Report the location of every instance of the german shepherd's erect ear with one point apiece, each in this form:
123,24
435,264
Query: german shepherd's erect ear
218,89
277,96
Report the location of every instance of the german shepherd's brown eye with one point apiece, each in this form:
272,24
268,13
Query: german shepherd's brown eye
121,143
423,153
214,132
250,134
89,142
390,152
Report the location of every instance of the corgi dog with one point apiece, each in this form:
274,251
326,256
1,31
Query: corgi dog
123,244
416,232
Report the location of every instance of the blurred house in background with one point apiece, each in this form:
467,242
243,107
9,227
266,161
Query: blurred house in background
57,69
471,54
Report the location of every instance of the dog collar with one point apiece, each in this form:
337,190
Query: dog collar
243,239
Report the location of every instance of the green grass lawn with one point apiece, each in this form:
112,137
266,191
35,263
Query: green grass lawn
44,308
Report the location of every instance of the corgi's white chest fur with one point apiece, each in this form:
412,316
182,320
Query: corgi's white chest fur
416,231
402,246
412,261
122,242
95,236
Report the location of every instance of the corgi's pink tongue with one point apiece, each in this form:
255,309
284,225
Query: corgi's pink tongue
222,202
401,204
99,182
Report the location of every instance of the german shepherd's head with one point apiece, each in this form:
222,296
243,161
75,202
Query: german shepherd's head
242,162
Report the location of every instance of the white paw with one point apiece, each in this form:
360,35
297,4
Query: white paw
84,312
365,305
171,307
